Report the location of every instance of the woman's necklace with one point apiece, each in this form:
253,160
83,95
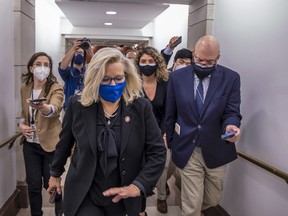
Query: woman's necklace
108,116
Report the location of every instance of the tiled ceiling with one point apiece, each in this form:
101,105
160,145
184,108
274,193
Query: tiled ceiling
131,14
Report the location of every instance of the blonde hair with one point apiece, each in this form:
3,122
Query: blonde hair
96,72
161,72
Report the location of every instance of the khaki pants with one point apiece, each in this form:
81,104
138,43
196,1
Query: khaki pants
161,184
201,187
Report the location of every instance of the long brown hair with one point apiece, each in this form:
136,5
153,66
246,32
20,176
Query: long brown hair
28,76
162,72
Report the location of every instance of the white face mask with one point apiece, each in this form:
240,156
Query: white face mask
41,73
180,66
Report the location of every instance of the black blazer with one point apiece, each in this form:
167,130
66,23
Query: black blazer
142,155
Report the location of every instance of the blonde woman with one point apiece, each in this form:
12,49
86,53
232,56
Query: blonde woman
119,150
154,73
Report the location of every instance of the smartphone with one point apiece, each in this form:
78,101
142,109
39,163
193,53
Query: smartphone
228,135
37,101
178,41
53,195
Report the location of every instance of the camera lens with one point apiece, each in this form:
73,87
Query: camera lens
85,44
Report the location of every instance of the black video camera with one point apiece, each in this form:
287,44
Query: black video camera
85,43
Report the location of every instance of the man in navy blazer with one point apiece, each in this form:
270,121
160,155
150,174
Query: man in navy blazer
194,133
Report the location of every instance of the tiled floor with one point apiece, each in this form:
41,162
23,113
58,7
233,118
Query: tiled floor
151,211
173,202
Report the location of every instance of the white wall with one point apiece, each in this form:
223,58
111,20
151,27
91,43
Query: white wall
172,22
48,31
7,102
253,37
50,25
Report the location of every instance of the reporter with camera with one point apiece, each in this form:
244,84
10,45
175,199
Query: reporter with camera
72,67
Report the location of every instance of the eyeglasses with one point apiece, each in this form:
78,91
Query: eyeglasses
39,64
118,79
208,63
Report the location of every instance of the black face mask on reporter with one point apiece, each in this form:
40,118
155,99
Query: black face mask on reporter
203,71
147,69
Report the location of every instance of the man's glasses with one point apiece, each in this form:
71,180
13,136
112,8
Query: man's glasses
39,64
208,63
118,79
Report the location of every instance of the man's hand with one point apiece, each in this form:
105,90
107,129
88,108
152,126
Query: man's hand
237,131
76,44
172,42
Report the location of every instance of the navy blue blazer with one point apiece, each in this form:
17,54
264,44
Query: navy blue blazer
184,126
141,158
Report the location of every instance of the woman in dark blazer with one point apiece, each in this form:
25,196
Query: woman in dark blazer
119,151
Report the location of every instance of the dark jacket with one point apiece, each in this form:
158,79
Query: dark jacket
184,127
142,155
73,81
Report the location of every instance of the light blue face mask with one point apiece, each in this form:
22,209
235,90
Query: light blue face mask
112,93
180,66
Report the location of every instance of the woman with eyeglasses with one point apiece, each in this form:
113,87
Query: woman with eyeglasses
41,99
119,152
154,73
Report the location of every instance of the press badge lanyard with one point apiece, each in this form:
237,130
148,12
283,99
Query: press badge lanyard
79,78
33,111
32,118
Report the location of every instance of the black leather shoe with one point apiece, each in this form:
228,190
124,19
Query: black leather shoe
162,206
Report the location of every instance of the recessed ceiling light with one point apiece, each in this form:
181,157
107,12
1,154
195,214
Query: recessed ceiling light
111,12
108,23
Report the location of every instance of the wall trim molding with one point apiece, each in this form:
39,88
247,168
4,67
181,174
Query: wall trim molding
24,198
12,205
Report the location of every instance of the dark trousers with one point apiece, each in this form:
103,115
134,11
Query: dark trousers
143,208
88,208
37,174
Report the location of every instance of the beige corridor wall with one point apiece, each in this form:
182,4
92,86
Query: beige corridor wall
7,102
24,34
253,37
18,44
200,22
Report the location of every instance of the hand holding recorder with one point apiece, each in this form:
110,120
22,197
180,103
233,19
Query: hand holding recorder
37,101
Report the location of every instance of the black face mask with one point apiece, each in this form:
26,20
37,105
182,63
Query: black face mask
148,70
202,72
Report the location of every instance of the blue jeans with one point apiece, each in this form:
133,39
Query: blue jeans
37,163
